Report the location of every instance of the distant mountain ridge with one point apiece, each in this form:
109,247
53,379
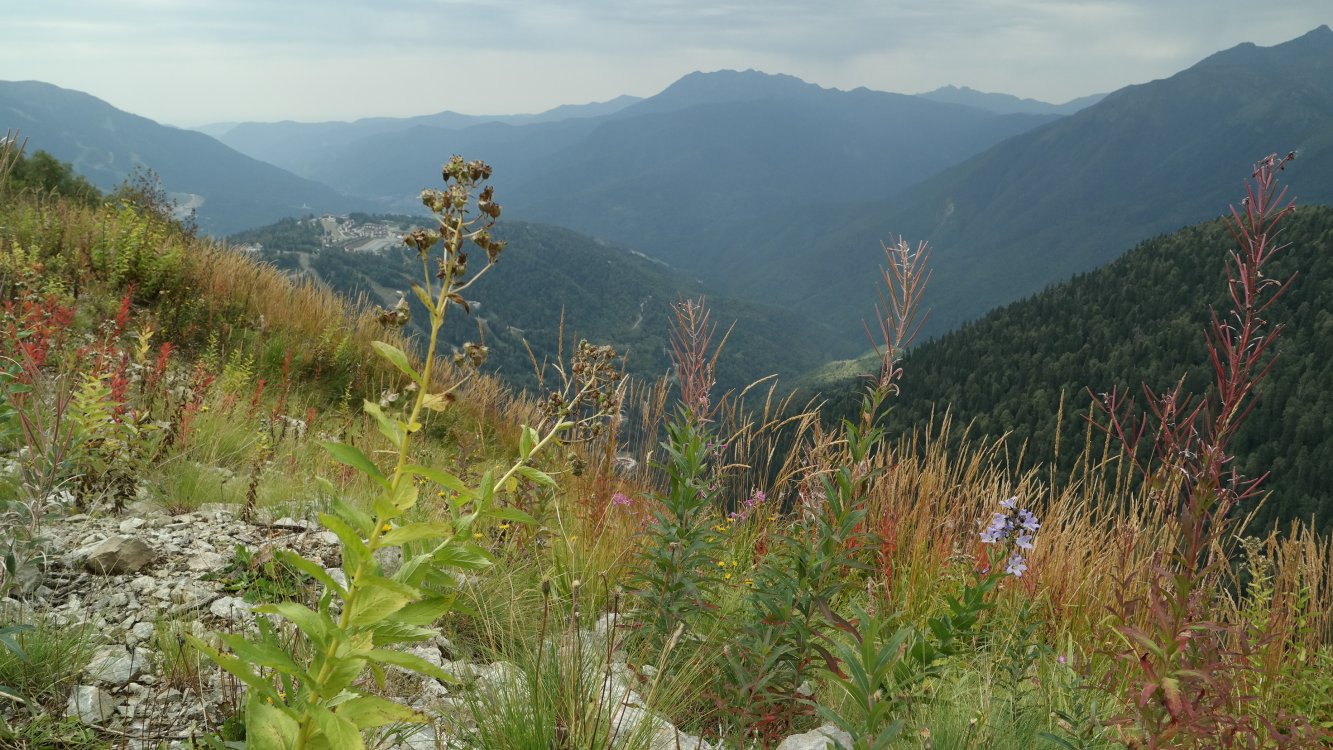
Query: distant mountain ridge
299,146
1007,104
106,145
1062,198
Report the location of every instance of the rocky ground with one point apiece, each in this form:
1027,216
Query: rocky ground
144,579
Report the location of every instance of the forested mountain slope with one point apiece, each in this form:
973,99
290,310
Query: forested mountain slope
1141,320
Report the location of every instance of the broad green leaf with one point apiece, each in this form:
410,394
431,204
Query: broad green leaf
464,555
315,627
312,569
268,727
410,662
346,454
354,548
413,532
512,514
389,632
340,733
354,516
243,672
389,428
399,360
424,612
263,654
378,599
442,478
534,475
368,712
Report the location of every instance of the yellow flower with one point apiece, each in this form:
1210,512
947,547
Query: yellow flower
386,528
476,535
504,526
726,577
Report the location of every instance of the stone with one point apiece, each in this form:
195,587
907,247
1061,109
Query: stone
90,704
117,665
206,561
231,608
117,555
818,739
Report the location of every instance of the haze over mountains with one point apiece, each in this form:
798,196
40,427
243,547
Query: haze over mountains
769,188
106,145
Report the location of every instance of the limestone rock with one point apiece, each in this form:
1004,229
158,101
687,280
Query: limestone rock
90,704
117,555
818,739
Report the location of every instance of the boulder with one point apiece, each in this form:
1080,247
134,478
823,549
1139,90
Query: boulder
117,555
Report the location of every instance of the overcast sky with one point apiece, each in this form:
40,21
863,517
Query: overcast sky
191,62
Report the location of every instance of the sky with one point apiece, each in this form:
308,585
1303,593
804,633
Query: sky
193,62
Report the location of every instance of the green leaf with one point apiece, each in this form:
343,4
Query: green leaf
312,569
533,475
346,454
340,733
263,654
368,712
463,555
399,360
442,478
413,532
378,599
388,632
512,514
354,547
315,627
353,515
527,439
410,662
268,727
389,428
424,297
258,686
425,612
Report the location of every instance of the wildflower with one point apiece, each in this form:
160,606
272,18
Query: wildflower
476,535
1017,524
386,528
503,526
621,499
1016,565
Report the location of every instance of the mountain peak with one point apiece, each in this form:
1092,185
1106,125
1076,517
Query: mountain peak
716,86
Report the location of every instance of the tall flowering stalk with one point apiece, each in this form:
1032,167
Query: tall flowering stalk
1181,668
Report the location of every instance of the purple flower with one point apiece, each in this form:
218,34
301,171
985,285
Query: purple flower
621,499
1016,565
1010,503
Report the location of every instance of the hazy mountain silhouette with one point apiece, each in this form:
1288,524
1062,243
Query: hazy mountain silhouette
107,145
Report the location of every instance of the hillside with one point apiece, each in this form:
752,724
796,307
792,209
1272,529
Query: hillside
717,147
1141,320
236,510
1063,198
1006,104
229,190
550,275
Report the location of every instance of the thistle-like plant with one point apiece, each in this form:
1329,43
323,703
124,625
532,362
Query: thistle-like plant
308,693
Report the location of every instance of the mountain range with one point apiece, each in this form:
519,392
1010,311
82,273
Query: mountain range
770,189
229,190
1059,199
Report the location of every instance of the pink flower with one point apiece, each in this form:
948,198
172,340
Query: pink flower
621,499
